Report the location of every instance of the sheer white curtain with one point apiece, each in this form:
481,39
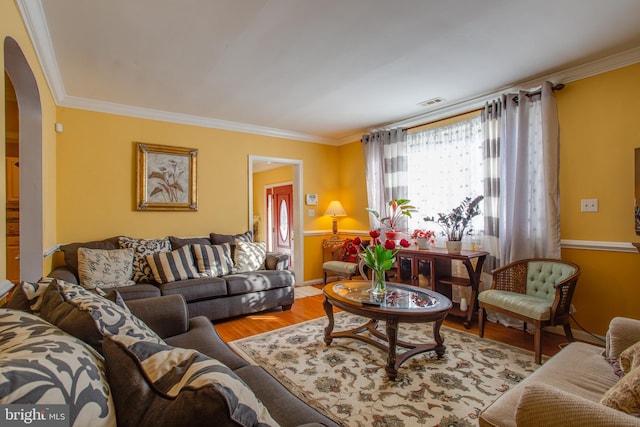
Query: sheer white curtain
445,165
529,191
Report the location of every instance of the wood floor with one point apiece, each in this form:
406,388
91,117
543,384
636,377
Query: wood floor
310,308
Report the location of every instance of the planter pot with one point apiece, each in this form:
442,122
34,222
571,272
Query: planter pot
423,243
454,246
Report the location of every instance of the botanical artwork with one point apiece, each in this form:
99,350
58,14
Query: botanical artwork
166,178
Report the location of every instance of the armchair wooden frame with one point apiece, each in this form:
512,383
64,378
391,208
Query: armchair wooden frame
513,278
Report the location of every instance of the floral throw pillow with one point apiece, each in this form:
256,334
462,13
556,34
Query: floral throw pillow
630,358
625,394
249,256
141,269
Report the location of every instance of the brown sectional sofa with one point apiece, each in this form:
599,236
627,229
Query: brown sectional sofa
213,297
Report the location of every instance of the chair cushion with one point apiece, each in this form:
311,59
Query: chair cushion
526,305
542,275
340,267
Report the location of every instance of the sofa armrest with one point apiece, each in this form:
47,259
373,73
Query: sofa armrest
64,273
622,334
544,405
276,261
166,315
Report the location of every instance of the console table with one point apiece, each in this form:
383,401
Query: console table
431,268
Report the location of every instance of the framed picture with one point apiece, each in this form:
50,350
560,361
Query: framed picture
166,178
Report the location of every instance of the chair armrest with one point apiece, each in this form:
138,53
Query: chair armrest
544,405
622,334
166,315
276,261
64,273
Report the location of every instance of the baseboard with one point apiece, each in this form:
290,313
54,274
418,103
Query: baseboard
578,334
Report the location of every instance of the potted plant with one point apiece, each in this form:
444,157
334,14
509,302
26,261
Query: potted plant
457,221
424,238
379,257
393,221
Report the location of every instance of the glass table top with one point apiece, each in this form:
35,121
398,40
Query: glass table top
395,297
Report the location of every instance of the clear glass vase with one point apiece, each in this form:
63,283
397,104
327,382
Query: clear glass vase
378,287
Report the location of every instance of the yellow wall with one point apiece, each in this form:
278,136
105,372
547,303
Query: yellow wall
598,133
11,25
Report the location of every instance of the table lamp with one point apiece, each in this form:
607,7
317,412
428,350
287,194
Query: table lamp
335,209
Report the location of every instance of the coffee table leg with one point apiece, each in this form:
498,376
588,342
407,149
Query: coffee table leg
328,309
392,340
438,338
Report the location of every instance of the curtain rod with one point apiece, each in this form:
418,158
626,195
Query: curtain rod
555,88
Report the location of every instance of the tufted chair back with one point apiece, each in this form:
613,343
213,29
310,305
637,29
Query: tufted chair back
543,275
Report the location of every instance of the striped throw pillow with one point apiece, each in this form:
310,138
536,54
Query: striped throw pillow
184,381
171,266
249,256
213,261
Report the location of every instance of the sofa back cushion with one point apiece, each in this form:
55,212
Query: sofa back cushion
40,364
89,316
542,275
182,386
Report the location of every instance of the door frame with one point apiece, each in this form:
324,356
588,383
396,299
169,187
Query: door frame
298,225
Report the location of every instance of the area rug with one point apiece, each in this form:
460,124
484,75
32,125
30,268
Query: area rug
346,380
305,291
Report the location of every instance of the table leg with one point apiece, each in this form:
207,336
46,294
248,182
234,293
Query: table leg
328,309
439,349
392,340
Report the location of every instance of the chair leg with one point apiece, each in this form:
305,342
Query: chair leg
567,331
325,278
481,322
537,344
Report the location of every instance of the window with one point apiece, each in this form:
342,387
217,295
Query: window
445,165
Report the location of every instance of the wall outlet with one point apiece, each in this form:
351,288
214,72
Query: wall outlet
312,212
589,205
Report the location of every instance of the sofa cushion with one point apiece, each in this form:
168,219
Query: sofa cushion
27,296
196,289
88,316
625,395
182,386
70,251
213,260
255,281
40,364
249,256
139,290
219,239
171,266
141,269
178,242
630,358
105,268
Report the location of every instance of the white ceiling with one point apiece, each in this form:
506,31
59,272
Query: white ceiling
315,70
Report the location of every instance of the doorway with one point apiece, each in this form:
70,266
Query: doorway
297,233
279,203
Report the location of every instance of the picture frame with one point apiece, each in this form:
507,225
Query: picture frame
166,178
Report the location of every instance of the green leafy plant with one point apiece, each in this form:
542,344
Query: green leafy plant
397,208
456,222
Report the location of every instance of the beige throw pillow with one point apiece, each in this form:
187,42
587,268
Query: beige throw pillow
625,395
630,358
103,268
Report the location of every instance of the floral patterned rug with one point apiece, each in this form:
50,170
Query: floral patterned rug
346,380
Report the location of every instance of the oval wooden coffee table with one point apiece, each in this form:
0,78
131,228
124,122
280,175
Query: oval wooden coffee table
401,304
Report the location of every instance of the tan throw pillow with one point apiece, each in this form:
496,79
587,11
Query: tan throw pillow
630,358
102,268
249,256
625,395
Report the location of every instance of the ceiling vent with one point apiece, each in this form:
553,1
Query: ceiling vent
430,102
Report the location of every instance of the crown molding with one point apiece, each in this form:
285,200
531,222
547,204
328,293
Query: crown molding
167,116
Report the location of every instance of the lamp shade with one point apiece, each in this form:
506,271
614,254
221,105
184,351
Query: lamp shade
335,209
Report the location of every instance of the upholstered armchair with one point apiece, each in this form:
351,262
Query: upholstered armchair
536,291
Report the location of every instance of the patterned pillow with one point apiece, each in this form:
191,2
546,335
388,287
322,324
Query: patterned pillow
141,270
100,268
213,261
249,256
171,266
630,358
625,394
182,385
40,364
28,296
88,316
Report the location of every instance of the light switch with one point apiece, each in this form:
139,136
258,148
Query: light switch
589,205
312,212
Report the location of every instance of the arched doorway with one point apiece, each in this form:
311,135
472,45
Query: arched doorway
30,148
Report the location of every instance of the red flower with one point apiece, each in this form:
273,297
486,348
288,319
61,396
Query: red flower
357,241
405,243
353,250
374,233
389,244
